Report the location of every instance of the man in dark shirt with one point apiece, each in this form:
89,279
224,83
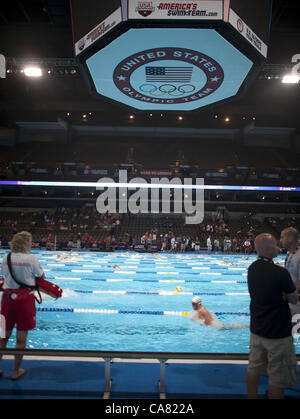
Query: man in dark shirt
272,350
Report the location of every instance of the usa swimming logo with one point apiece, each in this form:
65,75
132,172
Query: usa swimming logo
168,76
145,8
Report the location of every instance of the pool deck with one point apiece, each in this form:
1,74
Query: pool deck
78,379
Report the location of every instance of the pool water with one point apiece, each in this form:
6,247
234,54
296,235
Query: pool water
126,301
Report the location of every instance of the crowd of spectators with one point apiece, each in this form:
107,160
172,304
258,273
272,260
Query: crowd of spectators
85,228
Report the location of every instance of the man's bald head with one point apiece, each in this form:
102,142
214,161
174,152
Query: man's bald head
266,245
289,238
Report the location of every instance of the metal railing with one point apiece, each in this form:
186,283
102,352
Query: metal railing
109,356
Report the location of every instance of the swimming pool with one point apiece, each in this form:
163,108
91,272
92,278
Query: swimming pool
126,301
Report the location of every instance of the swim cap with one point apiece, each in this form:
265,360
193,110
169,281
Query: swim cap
197,300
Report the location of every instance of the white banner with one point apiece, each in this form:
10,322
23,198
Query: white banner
177,9
98,32
247,33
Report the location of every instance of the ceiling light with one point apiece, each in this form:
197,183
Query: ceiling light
33,72
290,79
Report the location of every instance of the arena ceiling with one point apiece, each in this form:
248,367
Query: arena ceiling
41,30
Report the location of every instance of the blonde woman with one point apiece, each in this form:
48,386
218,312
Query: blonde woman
20,271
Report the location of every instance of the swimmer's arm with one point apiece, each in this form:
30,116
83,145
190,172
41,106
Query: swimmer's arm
208,319
205,315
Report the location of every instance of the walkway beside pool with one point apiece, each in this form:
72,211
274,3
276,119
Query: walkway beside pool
130,380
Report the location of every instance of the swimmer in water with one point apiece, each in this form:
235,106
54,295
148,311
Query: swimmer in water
61,257
210,319
114,266
203,313
227,262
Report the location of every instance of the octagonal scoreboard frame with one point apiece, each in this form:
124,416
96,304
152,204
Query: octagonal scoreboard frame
181,55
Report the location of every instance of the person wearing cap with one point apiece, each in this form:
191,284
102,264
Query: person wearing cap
203,313
210,319
272,349
289,239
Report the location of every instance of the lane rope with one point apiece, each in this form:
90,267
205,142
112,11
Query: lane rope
143,312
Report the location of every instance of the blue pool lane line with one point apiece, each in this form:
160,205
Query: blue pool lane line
161,293
174,281
90,271
144,312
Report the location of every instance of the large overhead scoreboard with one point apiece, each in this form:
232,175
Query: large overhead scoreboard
170,55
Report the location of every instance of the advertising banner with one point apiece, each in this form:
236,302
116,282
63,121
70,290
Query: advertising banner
178,9
165,173
248,33
98,31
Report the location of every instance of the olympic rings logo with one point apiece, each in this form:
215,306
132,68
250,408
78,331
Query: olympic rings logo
167,89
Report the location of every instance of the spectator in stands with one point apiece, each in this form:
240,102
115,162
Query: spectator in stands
289,239
86,240
154,236
272,350
149,240
78,242
247,246
208,245
209,228
234,244
164,243
107,243
173,244
49,242
183,244
197,245
187,244
18,304
216,245
227,245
